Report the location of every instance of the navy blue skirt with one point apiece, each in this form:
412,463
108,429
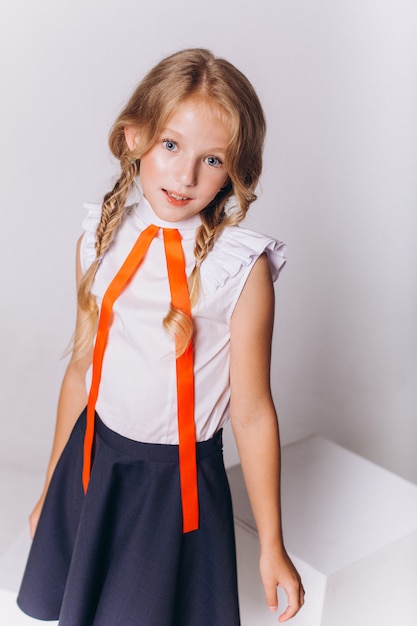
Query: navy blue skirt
117,556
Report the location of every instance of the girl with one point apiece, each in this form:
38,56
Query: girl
135,526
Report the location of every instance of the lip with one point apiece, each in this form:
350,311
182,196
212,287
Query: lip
175,198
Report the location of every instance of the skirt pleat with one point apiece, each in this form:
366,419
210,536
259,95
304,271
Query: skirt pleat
117,556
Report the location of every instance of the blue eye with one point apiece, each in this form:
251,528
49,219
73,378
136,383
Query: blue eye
213,161
169,145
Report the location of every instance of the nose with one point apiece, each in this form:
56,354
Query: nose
186,172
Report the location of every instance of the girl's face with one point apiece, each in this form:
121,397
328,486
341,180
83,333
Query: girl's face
184,169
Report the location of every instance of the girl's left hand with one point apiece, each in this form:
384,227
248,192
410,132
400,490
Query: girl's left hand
277,570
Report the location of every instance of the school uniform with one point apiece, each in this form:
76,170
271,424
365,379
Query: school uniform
117,555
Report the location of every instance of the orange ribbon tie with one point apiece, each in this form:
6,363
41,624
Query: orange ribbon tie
185,383
184,365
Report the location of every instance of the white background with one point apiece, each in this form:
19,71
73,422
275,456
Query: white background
338,83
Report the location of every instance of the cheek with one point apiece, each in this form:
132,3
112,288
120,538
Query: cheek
151,166
221,181
215,181
226,179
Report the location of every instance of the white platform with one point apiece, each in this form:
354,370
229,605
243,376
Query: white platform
351,528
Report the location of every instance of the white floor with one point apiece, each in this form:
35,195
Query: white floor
18,493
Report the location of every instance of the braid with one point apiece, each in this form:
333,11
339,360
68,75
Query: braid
112,213
214,219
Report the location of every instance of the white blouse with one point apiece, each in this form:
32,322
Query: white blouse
137,396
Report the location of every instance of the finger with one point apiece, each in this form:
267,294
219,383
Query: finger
271,596
302,595
33,522
295,602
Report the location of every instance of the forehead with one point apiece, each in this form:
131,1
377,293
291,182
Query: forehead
200,117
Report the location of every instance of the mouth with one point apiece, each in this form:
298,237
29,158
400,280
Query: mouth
176,198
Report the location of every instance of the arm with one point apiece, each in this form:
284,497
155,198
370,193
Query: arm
255,426
72,400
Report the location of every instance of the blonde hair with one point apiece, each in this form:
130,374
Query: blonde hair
186,75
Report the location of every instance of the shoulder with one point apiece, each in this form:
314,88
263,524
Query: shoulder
235,252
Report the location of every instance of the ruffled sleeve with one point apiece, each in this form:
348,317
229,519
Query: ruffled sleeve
235,251
90,224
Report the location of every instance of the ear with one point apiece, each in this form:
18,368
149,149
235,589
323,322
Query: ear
132,137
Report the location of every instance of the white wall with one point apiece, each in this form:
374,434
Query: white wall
338,83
